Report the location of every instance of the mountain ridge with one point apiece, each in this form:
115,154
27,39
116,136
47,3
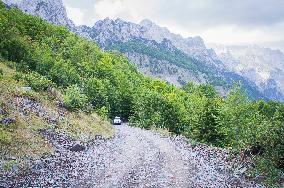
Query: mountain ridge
263,66
108,33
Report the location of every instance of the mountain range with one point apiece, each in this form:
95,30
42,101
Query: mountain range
263,66
161,54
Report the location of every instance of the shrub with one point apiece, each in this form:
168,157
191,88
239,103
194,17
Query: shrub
1,74
35,80
103,112
74,98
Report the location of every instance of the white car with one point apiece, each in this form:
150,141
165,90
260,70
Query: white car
117,121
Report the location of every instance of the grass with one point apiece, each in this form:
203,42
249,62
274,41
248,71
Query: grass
162,132
21,138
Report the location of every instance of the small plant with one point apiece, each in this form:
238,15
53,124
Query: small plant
37,81
1,74
103,112
8,165
266,169
74,98
5,137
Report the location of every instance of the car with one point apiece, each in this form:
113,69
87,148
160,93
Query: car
117,121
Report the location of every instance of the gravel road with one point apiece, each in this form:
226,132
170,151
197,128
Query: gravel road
133,158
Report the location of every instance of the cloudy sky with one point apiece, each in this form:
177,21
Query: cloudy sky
216,21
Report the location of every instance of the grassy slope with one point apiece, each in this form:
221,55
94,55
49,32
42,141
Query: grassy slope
21,138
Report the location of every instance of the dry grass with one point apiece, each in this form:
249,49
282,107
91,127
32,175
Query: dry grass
162,132
85,127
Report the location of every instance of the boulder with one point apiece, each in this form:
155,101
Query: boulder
77,148
7,121
2,111
26,88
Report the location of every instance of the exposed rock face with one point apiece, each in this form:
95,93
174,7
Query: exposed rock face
263,66
163,69
122,31
50,10
193,46
187,59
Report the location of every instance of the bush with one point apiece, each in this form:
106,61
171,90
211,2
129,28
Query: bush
74,98
1,74
103,112
36,81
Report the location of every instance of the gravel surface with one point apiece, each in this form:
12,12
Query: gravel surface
133,158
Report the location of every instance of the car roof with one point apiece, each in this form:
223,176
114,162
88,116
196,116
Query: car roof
117,117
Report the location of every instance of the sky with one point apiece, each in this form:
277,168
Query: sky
230,22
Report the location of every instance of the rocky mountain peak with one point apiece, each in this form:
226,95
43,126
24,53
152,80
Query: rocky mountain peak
263,66
196,41
146,22
50,10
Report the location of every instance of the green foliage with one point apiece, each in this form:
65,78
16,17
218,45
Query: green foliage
74,98
103,112
97,92
36,81
148,109
201,90
46,54
267,168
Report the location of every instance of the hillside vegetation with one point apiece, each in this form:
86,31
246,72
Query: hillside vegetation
25,113
44,56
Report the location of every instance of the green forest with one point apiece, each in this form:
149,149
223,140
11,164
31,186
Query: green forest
47,56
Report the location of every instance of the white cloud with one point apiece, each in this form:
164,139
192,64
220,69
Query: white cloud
109,8
76,15
126,9
219,21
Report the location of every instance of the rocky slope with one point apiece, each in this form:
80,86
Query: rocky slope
193,46
127,37
263,66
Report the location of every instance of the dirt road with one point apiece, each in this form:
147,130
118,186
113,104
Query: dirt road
133,158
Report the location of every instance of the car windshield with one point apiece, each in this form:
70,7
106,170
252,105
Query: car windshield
117,118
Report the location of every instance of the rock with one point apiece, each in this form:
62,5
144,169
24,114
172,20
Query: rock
133,158
11,158
259,179
53,120
7,121
2,111
98,137
77,148
26,88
